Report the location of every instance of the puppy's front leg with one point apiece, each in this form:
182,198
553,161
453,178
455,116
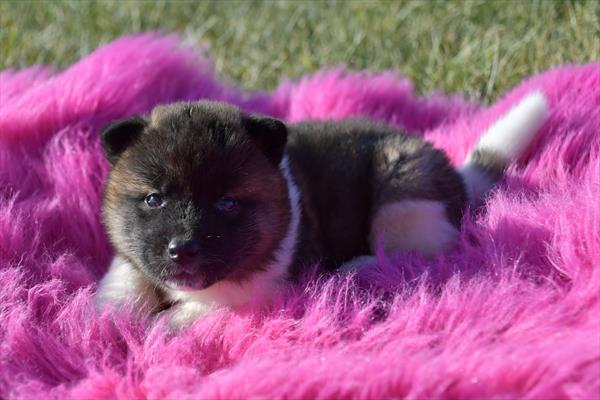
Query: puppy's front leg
183,314
123,284
357,263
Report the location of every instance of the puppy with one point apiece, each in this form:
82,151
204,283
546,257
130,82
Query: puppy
208,207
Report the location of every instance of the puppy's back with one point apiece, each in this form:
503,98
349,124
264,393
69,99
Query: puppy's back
347,169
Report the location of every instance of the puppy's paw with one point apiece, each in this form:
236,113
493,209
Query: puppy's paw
357,263
183,315
125,286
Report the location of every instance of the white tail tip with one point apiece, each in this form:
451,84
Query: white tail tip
511,134
504,141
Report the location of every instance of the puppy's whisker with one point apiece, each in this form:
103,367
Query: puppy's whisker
214,258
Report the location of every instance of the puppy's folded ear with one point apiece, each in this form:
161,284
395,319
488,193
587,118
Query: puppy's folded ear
119,135
269,134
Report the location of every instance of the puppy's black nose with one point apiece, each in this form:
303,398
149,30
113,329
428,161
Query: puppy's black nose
183,251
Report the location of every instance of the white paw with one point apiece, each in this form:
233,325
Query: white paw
125,286
357,263
183,315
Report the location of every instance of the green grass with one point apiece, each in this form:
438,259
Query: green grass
476,47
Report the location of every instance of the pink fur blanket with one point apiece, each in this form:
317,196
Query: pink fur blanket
514,311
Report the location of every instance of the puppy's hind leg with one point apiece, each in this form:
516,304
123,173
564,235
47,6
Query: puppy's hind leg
408,225
419,198
413,225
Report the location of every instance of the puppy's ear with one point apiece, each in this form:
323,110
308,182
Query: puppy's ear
119,135
269,133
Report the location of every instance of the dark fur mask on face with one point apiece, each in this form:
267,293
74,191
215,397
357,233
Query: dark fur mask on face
201,174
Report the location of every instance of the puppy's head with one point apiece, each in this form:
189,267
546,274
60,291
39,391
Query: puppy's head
195,194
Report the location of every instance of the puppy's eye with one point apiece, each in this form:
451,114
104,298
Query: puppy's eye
226,204
154,200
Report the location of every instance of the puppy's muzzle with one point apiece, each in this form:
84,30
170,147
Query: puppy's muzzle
183,251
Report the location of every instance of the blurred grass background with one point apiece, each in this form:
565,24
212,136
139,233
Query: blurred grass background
479,48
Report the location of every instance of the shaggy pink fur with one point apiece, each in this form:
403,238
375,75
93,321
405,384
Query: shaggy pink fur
514,311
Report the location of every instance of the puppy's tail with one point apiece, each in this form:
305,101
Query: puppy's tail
503,142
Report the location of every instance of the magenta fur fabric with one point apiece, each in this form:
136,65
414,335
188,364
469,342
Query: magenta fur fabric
514,311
